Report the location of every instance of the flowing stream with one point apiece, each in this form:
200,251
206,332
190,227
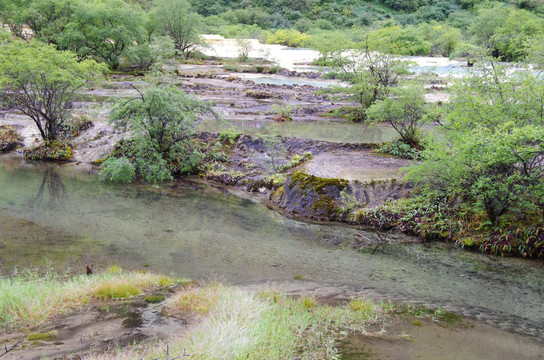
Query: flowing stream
53,215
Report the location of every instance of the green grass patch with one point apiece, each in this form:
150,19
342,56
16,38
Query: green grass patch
30,300
239,324
116,291
42,336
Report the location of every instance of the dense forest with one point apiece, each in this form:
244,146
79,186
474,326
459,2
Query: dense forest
511,30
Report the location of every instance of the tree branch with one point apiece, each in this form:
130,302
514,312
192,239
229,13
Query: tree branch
7,350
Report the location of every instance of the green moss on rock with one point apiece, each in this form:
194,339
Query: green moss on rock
317,184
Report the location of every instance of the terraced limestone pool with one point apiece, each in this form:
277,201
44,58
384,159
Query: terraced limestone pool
54,215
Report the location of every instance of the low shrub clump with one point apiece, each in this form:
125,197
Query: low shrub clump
354,114
9,138
400,149
438,221
119,170
52,151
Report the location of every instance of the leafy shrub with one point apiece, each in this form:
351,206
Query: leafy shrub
162,118
143,56
289,37
229,136
52,151
415,216
283,112
117,170
9,138
401,149
354,114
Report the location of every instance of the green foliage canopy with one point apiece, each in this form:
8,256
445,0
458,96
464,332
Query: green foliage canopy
404,109
175,19
490,156
162,118
42,81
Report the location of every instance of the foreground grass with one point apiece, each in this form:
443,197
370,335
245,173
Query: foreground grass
237,324
30,300
230,323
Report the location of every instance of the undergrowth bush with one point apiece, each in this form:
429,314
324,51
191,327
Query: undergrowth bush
354,114
119,170
52,151
436,220
401,149
9,138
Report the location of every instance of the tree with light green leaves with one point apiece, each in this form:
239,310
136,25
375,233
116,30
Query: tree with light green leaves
175,19
42,81
372,74
101,30
506,33
405,109
162,119
11,15
489,156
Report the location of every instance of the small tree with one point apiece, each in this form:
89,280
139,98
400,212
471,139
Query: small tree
175,18
371,74
244,47
404,110
42,81
162,119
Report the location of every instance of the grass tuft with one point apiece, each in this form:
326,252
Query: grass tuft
116,291
114,269
42,336
30,300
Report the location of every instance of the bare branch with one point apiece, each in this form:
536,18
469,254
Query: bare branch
382,241
7,350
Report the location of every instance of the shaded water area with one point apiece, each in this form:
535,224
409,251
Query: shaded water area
57,214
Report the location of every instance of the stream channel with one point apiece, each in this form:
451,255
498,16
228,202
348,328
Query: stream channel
53,215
